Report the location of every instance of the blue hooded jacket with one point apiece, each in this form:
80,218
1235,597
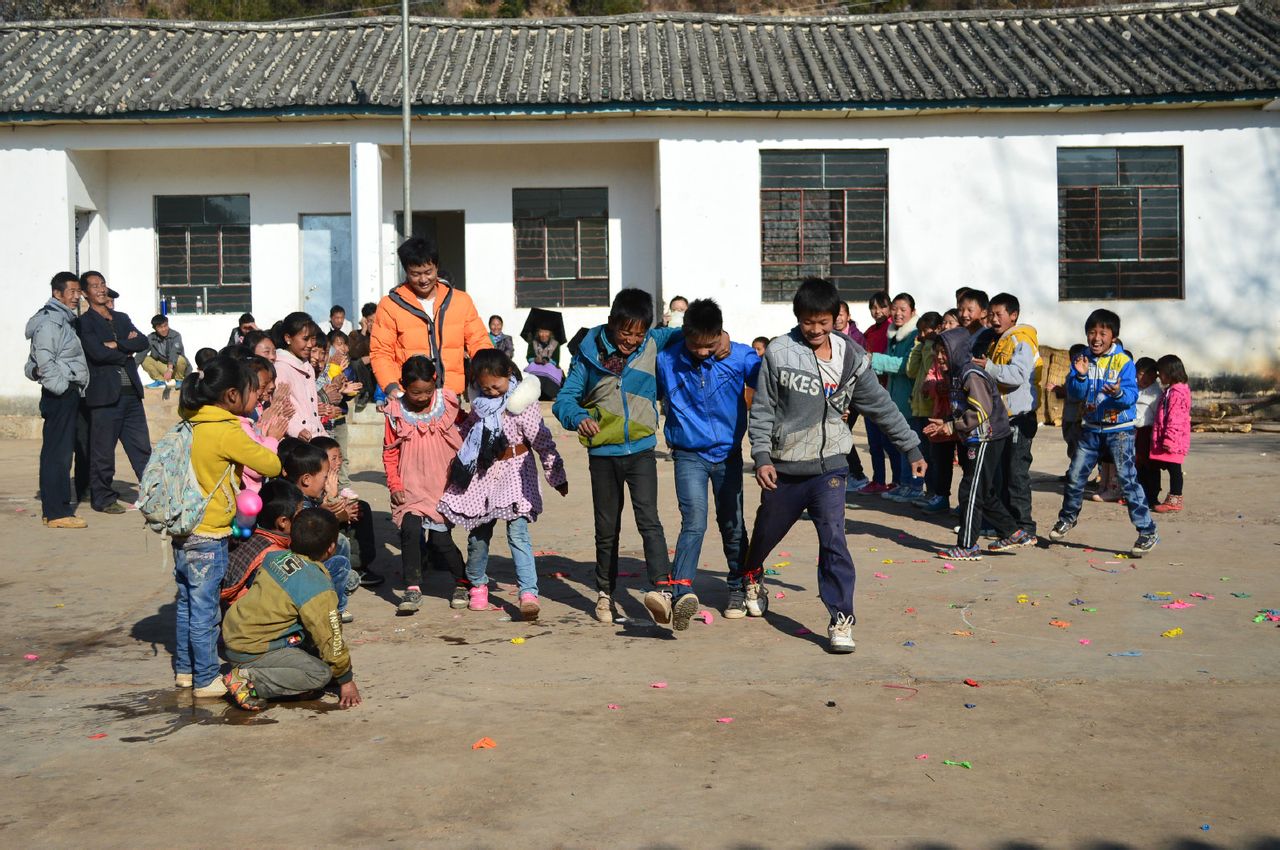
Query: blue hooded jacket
1101,411
706,409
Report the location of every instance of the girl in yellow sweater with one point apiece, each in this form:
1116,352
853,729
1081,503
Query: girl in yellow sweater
212,400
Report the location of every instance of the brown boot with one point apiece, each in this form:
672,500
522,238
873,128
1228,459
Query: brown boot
1171,504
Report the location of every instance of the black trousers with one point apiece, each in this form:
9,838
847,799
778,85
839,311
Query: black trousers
611,477
941,467
1013,481
362,530
82,453
58,444
438,546
124,422
979,500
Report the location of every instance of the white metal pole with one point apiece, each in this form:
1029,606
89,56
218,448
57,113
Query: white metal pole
407,225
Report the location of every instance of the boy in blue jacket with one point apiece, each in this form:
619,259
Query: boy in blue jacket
610,397
1105,383
706,408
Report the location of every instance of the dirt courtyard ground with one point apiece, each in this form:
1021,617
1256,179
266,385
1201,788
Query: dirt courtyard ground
1070,740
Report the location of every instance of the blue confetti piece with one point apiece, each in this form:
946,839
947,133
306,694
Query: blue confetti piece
1128,653
910,643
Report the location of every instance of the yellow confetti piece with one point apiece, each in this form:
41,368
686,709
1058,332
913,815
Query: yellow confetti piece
873,549
887,561
963,634
517,641
1171,633
1023,598
1164,593
59,605
783,564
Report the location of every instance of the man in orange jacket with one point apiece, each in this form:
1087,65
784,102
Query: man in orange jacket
424,315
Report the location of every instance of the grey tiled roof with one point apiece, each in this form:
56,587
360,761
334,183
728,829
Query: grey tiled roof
116,69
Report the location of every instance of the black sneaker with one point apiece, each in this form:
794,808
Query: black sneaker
409,603
736,609
1144,544
461,597
368,578
1060,528
682,612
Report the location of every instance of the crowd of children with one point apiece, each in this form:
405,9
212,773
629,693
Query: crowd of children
268,414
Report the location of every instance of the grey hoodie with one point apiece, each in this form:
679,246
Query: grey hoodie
794,428
57,359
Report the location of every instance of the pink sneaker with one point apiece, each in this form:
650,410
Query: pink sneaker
479,598
529,608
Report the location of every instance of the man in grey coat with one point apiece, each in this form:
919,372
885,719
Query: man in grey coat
57,363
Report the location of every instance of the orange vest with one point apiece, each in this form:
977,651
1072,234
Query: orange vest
399,333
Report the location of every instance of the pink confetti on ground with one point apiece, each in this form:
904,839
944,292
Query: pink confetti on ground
922,757
98,737
1088,550
613,706
705,616
919,560
948,567
1178,605
802,631
779,595
31,656
784,554
881,575
658,685
1085,641
724,719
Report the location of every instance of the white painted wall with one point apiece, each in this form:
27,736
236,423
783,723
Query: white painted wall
972,201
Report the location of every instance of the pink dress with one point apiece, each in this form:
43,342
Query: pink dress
300,378
509,489
416,452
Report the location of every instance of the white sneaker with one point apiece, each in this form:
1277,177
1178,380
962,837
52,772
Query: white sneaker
840,634
658,604
757,600
182,680
216,688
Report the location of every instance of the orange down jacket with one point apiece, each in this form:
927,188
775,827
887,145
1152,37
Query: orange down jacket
398,334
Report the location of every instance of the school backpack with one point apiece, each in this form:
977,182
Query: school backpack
170,498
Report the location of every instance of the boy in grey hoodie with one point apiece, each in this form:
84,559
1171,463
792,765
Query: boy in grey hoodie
810,380
57,363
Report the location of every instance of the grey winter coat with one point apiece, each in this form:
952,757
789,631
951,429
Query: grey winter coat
798,430
166,349
56,361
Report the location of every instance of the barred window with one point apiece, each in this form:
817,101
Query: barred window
1119,223
562,247
824,213
202,251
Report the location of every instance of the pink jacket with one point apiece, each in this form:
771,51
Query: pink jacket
1171,432
300,378
252,480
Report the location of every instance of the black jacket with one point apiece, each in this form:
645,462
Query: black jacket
105,363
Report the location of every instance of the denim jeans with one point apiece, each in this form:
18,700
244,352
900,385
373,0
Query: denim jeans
339,567
693,474
1120,444
521,553
881,450
198,566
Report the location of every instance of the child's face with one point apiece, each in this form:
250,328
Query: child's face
266,348
701,347
335,459
266,384
1001,319
340,347
317,357
300,344
626,336
928,333
544,336
495,326
949,321
162,330
972,316
940,357
312,486
816,327
417,394
1146,377
493,386
878,313
1100,339
242,403
679,305
900,312
759,347
842,318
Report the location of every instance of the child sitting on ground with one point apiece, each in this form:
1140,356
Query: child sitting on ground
420,442
978,418
284,636
281,502
1105,381
494,477
355,516
1171,430
307,466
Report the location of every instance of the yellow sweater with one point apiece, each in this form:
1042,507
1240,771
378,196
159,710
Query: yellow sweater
218,441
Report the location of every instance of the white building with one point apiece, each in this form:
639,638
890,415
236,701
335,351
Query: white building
1127,158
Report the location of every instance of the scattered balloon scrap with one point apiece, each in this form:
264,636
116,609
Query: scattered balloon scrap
966,765
31,656
1171,633
1085,641
484,744
705,616
881,575
98,737
517,641
1060,624
658,685
613,706
922,757
973,683
724,719
1128,653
